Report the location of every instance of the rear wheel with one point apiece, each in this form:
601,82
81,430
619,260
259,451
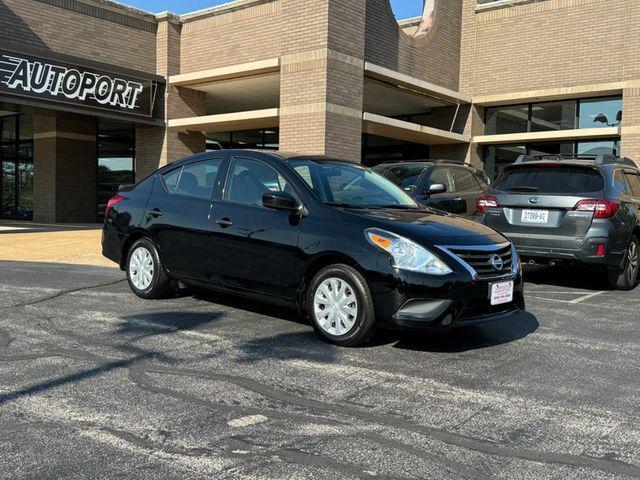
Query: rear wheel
145,272
341,306
627,278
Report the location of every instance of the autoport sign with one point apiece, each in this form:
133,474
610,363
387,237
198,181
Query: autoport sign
53,81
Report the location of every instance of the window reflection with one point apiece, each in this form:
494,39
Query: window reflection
601,113
116,160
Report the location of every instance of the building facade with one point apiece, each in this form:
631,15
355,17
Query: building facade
94,94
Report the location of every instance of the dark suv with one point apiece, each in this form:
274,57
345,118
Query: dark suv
449,186
580,208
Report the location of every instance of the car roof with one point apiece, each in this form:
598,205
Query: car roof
276,155
427,163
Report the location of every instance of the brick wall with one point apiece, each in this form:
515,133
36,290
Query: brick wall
434,57
251,31
88,29
547,44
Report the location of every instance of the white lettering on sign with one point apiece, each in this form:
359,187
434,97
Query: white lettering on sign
46,78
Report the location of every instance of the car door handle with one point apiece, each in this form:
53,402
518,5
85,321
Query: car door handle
224,222
155,213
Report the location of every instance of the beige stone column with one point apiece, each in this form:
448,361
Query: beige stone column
630,131
322,77
44,166
157,146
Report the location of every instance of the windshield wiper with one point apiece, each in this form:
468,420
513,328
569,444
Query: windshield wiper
523,189
344,205
399,207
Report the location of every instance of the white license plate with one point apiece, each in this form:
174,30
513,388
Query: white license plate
535,216
501,293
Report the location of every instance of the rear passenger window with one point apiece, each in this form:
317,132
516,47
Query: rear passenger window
464,180
634,180
403,175
620,183
193,180
171,179
197,179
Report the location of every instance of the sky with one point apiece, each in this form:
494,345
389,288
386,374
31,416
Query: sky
402,8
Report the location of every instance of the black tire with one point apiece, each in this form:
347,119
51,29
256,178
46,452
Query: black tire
160,284
627,278
355,285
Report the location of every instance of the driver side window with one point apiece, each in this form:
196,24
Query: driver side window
250,179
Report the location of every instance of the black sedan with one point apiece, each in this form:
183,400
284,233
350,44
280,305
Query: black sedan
341,243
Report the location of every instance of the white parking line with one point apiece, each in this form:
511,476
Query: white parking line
586,297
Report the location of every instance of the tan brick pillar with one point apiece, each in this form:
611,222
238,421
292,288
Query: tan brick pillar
44,166
630,131
157,146
322,76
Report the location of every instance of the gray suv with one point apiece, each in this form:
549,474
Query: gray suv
582,209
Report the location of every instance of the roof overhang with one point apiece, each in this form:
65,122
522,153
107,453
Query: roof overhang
270,65
228,121
551,94
556,135
414,84
410,132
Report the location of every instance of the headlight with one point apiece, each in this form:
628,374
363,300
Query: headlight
407,255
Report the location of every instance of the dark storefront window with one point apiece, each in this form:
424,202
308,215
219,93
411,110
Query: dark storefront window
501,120
16,165
376,150
553,116
116,160
264,139
497,157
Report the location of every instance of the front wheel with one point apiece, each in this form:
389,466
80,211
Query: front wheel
627,278
341,306
145,272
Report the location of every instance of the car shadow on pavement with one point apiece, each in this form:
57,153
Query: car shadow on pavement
465,338
565,276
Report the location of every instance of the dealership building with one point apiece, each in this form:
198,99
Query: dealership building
94,94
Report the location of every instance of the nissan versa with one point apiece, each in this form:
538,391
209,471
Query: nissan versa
341,243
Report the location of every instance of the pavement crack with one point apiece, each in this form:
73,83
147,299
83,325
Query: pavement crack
444,436
61,294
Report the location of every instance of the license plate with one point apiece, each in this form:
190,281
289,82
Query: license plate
535,216
501,293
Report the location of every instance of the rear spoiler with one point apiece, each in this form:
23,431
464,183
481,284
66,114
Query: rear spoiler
603,159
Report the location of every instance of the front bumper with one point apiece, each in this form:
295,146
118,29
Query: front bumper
408,302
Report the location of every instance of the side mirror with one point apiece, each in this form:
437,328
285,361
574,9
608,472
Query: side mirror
437,188
281,201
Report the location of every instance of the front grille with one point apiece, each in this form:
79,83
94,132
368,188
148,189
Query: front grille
483,261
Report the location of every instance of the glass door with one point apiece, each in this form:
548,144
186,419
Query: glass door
16,171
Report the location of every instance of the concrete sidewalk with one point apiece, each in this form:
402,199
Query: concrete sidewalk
71,244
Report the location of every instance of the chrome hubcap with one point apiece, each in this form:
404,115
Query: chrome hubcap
141,268
634,262
335,306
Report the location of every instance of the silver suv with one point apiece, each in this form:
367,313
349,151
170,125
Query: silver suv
581,209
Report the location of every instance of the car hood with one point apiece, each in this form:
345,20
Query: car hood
426,226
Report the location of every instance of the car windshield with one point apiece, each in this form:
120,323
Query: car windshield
350,185
552,180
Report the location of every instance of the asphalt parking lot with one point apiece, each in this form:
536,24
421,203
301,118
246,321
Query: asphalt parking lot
95,383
